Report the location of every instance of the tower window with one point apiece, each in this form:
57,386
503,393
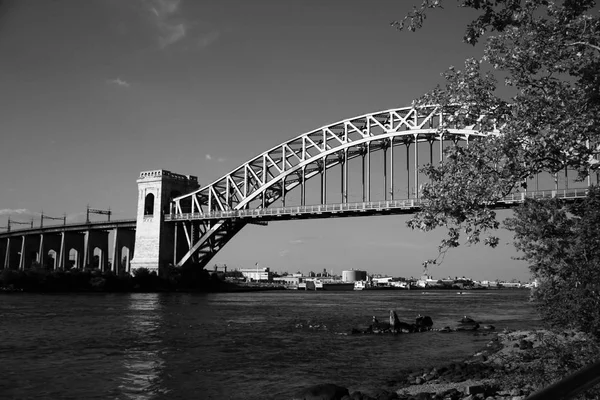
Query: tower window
149,204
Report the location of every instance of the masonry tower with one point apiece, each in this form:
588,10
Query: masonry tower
154,245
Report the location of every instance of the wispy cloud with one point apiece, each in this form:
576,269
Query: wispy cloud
208,156
208,39
170,34
15,211
284,253
220,159
119,82
173,25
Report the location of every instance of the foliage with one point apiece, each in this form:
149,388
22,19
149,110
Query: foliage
74,280
548,53
559,355
561,243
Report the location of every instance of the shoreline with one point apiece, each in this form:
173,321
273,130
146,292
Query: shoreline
494,371
511,366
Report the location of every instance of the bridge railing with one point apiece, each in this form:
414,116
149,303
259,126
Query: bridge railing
297,210
569,194
404,204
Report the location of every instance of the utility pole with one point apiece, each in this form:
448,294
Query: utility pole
96,211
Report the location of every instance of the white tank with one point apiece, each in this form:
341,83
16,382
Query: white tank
354,275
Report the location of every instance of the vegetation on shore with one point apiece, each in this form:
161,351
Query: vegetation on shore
546,106
93,280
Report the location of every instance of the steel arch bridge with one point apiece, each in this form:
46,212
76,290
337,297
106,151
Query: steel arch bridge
211,215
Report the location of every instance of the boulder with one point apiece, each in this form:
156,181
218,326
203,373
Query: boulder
357,396
467,320
468,327
382,394
324,391
380,327
423,323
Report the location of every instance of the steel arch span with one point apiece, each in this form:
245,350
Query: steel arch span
209,215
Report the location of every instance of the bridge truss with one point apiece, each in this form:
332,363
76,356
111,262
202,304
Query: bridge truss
207,217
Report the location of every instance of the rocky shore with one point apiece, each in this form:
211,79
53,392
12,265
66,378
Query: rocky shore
513,365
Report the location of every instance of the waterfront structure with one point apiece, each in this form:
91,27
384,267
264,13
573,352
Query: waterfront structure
20,249
354,275
181,222
257,274
157,243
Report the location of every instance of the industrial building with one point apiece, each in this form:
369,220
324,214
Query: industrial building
354,275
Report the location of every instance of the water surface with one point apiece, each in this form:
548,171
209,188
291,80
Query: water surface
262,345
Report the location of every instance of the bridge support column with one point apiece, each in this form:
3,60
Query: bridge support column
122,238
11,257
49,241
153,236
93,240
29,247
68,241
3,248
416,166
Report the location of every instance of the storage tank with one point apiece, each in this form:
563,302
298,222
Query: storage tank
354,275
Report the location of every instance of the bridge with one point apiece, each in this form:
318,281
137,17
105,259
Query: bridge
178,221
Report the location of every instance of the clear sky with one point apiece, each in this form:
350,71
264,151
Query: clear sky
93,92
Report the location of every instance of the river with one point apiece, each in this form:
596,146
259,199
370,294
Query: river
261,345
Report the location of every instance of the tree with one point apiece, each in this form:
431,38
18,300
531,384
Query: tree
548,55
561,243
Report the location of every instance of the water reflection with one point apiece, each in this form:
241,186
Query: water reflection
142,359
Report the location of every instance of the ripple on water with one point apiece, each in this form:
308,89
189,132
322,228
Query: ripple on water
228,346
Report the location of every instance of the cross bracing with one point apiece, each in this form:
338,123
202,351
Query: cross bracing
272,175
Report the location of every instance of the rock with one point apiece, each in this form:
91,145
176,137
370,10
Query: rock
515,392
380,327
422,396
399,326
423,323
429,377
383,394
467,320
325,391
488,327
468,327
525,344
357,396
474,389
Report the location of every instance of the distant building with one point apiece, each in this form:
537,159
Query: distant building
354,275
257,274
426,281
288,280
510,284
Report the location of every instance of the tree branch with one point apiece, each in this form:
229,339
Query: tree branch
585,44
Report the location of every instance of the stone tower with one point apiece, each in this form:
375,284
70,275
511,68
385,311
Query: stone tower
153,237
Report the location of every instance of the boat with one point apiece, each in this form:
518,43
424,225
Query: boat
338,286
311,284
368,285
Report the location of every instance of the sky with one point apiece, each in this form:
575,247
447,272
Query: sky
94,92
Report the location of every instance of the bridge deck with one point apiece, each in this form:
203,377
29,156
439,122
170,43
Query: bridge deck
77,227
404,206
